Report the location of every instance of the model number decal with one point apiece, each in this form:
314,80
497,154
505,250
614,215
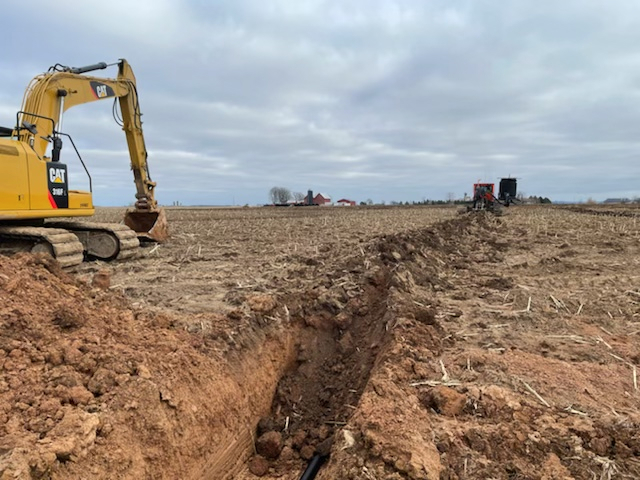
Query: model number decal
57,183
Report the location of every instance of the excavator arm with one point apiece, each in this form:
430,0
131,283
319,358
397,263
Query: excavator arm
47,98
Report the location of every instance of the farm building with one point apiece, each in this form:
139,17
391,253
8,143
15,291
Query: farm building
322,199
346,203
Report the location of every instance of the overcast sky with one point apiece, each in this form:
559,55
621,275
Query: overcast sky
381,99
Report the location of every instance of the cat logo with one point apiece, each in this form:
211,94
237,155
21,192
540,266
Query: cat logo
101,91
57,175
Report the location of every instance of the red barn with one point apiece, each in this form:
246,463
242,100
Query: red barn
322,199
346,203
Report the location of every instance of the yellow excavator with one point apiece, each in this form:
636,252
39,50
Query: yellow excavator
36,202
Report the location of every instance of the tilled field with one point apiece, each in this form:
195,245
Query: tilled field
406,342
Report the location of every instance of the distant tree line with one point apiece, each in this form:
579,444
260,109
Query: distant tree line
280,195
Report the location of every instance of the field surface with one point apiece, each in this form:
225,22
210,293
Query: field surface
406,342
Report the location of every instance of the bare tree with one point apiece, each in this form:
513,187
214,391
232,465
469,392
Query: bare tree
279,195
299,196
451,197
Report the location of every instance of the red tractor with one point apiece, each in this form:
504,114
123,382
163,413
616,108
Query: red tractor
485,199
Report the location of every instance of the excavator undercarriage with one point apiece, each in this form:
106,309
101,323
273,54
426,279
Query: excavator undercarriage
61,244
71,242
103,241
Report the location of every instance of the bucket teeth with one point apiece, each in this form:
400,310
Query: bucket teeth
150,226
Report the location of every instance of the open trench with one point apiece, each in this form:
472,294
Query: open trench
335,340
335,351
325,361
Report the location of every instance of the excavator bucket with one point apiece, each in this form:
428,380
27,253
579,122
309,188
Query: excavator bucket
150,226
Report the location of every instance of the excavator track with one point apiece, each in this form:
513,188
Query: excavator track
61,244
103,241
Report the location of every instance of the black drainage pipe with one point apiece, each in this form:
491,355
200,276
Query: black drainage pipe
313,467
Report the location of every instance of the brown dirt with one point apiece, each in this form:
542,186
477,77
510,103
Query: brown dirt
455,397
91,386
476,347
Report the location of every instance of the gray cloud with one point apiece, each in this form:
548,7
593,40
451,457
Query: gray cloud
393,100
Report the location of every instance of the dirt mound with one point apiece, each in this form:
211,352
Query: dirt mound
93,387
481,377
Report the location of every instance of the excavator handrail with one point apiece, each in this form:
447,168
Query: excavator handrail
18,123
79,158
